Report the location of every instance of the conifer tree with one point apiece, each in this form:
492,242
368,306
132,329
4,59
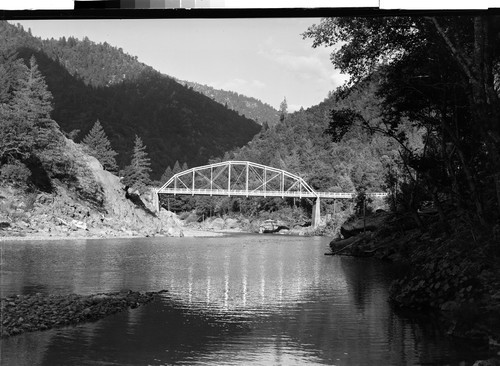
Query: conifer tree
184,166
33,100
98,145
167,174
283,110
25,113
177,168
136,175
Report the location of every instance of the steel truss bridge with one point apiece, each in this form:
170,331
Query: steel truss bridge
247,179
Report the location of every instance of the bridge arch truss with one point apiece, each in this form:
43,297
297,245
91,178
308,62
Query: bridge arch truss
238,178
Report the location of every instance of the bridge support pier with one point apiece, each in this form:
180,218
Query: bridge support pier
316,213
156,201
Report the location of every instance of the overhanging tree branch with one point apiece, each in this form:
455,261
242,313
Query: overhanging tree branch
463,60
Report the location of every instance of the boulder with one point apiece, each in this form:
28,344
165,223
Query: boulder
216,224
231,224
357,226
75,224
174,231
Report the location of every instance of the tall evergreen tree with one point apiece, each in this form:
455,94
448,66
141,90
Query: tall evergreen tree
283,110
136,175
167,174
98,146
25,112
184,166
177,168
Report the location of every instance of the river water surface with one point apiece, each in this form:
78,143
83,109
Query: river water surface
235,300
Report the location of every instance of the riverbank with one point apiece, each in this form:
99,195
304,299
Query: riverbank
191,233
455,275
30,313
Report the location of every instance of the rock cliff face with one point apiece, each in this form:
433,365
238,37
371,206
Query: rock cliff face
105,212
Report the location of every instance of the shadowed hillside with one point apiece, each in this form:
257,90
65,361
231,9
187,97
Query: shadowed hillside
97,81
246,106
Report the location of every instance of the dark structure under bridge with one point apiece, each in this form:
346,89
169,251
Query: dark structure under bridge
247,179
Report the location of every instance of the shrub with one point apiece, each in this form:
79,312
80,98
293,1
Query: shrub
86,185
16,174
438,281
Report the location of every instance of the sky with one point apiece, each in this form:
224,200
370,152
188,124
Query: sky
264,58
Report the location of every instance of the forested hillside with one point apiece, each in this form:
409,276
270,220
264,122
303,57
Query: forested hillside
430,85
92,82
301,145
252,108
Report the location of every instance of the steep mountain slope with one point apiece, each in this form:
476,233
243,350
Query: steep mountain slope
246,106
66,211
90,81
301,145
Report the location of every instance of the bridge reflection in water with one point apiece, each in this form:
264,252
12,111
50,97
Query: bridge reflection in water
245,278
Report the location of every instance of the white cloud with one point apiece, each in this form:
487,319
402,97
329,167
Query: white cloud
311,65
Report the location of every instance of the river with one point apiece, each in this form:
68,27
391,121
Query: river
235,300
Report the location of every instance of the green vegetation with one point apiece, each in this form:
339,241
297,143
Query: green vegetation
136,175
252,108
92,82
97,144
301,146
430,85
450,100
33,153
419,119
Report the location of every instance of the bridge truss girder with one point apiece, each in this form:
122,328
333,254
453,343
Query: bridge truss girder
237,178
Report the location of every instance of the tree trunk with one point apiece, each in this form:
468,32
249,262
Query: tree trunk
471,182
486,103
477,68
442,216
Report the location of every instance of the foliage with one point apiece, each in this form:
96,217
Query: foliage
340,122
302,147
25,111
439,282
16,174
447,100
85,185
34,153
90,81
167,174
252,108
283,110
136,175
98,146
177,168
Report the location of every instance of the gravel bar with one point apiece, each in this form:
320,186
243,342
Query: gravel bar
29,313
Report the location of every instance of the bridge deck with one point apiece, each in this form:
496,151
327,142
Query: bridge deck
261,193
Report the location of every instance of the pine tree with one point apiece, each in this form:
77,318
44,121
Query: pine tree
283,110
25,123
98,146
184,167
10,68
177,168
167,174
33,100
136,175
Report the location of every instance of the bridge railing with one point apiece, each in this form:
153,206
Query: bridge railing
261,193
235,192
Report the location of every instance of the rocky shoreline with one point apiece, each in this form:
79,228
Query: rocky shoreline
29,313
188,233
454,276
